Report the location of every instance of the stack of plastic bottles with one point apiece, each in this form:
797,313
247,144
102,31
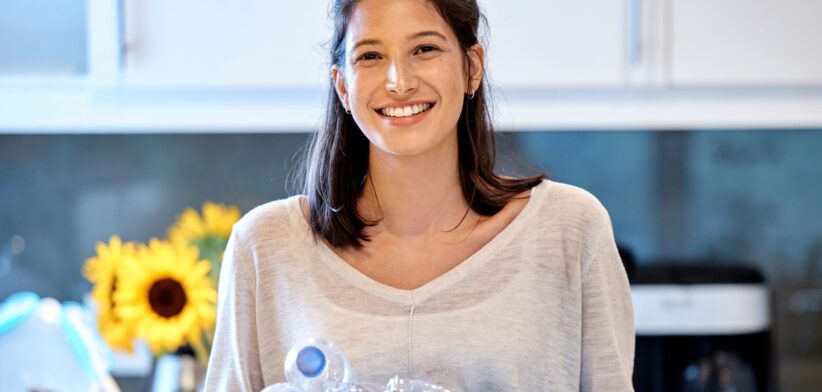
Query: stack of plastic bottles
317,365
46,345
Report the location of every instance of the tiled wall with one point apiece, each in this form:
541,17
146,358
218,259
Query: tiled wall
754,196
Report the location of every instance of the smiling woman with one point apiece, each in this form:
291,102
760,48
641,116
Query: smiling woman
407,85
408,250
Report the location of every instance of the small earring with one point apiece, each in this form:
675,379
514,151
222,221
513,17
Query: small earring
347,111
471,95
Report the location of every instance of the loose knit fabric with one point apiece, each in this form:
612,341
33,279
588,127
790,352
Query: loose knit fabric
544,306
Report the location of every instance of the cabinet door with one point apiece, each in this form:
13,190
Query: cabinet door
746,42
42,38
221,43
553,43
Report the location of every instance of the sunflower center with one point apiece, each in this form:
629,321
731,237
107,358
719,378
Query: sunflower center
111,293
111,299
167,297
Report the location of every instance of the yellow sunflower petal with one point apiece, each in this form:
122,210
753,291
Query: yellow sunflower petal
171,269
216,220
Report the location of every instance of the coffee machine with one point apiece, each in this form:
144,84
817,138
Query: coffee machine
701,326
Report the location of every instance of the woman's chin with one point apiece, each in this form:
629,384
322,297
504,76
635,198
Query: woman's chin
411,145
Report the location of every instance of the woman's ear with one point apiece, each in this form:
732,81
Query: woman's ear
338,78
476,67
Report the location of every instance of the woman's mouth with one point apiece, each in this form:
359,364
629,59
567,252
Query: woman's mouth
405,111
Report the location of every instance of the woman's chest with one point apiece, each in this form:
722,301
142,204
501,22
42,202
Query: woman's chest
408,267
509,344
408,264
504,325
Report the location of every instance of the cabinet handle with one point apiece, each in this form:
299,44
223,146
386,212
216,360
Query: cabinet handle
121,31
126,42
634,36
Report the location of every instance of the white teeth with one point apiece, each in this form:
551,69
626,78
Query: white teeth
405,111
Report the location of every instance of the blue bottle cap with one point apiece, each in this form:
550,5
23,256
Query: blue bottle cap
311,361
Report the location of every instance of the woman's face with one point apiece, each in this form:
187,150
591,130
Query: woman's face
404,76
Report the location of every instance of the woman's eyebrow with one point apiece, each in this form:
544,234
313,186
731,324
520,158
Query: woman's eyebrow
366,42
426,34
410,37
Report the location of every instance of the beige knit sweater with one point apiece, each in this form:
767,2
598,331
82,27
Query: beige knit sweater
544,306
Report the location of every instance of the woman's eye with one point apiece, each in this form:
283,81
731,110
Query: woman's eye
427,48
368,56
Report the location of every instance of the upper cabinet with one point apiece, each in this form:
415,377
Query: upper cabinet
745,43
42,38
546,44
224,44
262,65
557,44
283,44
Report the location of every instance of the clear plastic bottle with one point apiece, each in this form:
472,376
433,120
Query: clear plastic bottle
46,345
317,365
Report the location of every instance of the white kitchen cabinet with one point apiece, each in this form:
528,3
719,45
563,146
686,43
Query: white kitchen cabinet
554,43
42,38
224,44
745,43
261,66
533,45
261,43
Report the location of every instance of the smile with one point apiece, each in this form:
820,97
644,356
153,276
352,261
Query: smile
406,111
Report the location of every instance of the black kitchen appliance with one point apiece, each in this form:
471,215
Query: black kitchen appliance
701,327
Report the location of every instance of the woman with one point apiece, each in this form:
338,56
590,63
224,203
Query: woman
408,251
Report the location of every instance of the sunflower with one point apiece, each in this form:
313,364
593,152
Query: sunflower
101,270
166,293
208,232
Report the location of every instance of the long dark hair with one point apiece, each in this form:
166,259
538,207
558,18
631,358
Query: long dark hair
338,159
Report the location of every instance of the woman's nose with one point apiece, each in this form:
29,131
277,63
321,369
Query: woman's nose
401,79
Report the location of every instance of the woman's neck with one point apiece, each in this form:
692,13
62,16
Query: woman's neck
414,196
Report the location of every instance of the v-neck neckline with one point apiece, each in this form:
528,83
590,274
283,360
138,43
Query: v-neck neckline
414,296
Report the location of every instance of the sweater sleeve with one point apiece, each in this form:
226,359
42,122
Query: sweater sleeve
607,317
234,363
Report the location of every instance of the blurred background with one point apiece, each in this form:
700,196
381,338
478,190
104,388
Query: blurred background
697,123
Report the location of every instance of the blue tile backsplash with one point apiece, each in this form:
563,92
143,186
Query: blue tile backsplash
753,196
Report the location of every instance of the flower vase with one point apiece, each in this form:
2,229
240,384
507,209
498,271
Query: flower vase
178,372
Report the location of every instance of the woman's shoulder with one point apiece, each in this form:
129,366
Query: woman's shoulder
274,217
576,217
571,203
